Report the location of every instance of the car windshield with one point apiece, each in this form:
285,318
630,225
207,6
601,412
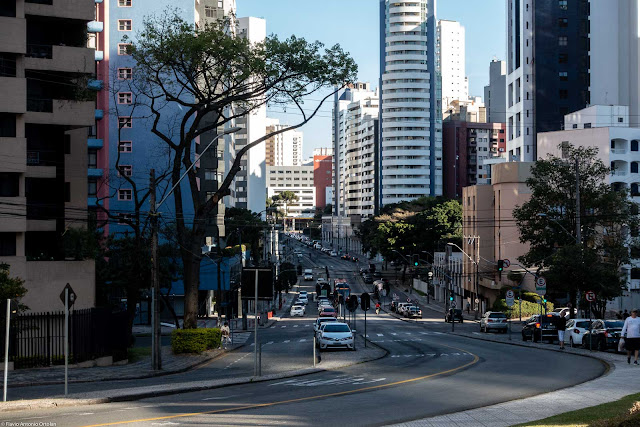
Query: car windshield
584,324
337,328
331,319
613,323
328,309
497,316
296,307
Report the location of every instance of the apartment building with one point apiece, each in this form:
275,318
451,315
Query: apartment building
299,180
451,62
48,86
411,123
495,92
283,149
323,175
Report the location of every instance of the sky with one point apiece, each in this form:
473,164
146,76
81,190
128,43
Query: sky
354,24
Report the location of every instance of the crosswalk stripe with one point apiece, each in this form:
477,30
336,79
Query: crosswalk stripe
303,340
285,341
380,335
295,326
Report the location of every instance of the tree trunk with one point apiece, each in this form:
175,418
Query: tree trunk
191,281
132,302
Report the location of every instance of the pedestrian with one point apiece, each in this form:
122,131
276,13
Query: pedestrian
625,314
631,334
468,307
224,330
561,327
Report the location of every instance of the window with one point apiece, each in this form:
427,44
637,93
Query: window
563,94
92,188
124,3
563,41
564,76
563,58
563,22
124,97
125,195
634,145
7,244
220,4
9,184
7,125
209,12
125,170
125,73
125,122
124,146
562,4
213,175
123,48
587,125
620,120
634,190
634,167
124,24
124,218
92,159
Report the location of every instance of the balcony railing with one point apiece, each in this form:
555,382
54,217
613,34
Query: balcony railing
618,151
619,173
39,51
39,105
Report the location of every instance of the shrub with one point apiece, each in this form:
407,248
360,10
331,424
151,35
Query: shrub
528,308
194,340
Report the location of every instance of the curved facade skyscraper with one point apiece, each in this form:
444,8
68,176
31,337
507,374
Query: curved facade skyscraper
411,124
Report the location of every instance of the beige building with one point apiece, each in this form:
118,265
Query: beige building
283,149
43,144
491,233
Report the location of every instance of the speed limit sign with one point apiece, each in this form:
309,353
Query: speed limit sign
590,296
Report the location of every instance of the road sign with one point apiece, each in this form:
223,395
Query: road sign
453,304
507,263
72,295
510,298
352,303
477,301
408,299
541,286
590,296
365,301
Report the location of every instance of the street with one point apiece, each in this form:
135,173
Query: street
427,372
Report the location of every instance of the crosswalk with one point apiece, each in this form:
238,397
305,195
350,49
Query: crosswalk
432,355
240,337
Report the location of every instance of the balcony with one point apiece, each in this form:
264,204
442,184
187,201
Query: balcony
71,9
59,58
95,26
95,143
13,34
94,84
14,95
99,114
13,152
98,55
60,112
15,210
94,173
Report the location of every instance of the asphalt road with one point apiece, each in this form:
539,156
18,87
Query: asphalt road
427,372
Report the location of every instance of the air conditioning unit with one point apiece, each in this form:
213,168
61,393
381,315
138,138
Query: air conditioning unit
501,149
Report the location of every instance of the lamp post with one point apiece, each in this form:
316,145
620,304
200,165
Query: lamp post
476,263
153,214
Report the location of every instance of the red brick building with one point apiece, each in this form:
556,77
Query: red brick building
322,174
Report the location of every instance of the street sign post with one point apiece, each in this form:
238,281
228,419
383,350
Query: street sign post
453,304
365,305
510,298
590,296
541,286
506,262
68,297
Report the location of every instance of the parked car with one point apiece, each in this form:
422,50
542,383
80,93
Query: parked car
333,253
297,310
540,327
400,307
303,298
335,335
575,331
495,320
413,312
393,306
604,334
327,312
320,320
563,311
453,314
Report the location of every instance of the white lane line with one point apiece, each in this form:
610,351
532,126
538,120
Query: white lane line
380,335
283,326
303,340
295,326
270,342
394,333
286,341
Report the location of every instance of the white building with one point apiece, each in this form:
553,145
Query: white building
451,62
619,147
283,149
495,92
411,136
249,184
298,179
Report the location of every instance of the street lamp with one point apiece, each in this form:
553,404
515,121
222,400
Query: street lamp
476,263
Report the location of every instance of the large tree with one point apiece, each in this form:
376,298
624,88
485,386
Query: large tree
547,222
209,72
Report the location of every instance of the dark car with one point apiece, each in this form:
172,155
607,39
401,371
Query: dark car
453,314
376,275
604,334
368,280
346,257
540,328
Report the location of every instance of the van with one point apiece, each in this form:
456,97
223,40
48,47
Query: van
308,271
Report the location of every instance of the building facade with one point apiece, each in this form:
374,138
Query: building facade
451,62
322,175
495,92
466,147
283,149
44,144
411,123
299,180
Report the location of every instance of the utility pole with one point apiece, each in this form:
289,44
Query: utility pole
155,347
578,231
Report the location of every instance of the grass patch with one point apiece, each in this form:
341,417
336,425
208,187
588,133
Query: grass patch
138,353
606,415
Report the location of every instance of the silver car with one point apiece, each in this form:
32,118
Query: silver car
335,335
495,320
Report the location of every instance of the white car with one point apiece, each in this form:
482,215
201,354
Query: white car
402,306
333,253
320,320
297,310
575,331
303,299
308,276
335,335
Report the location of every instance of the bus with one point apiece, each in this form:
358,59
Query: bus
341,287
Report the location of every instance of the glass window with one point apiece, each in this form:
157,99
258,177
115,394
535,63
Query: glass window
209,12
563,41
124,73
7,244
634,145
564,76
562,4
124,3
126,170
125,122
125,194
123,48
92,159
124,24
92,189
634,167
124,98
125,146
563,22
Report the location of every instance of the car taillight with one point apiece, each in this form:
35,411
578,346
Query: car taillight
538,325
576,331
489,320
606,334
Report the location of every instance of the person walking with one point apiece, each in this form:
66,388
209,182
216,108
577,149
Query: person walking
224,330
631,334
561,327
625,314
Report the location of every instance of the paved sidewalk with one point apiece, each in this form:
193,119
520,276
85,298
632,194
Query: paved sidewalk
612,386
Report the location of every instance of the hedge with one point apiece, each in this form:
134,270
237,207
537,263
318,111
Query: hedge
528,308
194,340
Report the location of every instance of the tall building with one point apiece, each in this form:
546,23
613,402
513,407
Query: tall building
322,175
297,179
451,62
411,121
283,149
495,92
562,57
340,127
47,107
249,184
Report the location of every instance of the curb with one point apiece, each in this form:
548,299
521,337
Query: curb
21,405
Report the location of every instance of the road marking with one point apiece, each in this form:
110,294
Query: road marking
303,340
394,333
475,360
286,341
270,342
295,326
283,326
380,335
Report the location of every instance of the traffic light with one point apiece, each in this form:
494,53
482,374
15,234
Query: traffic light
500,265
451,298
416,259
544,300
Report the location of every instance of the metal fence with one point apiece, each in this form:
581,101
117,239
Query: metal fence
37,339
